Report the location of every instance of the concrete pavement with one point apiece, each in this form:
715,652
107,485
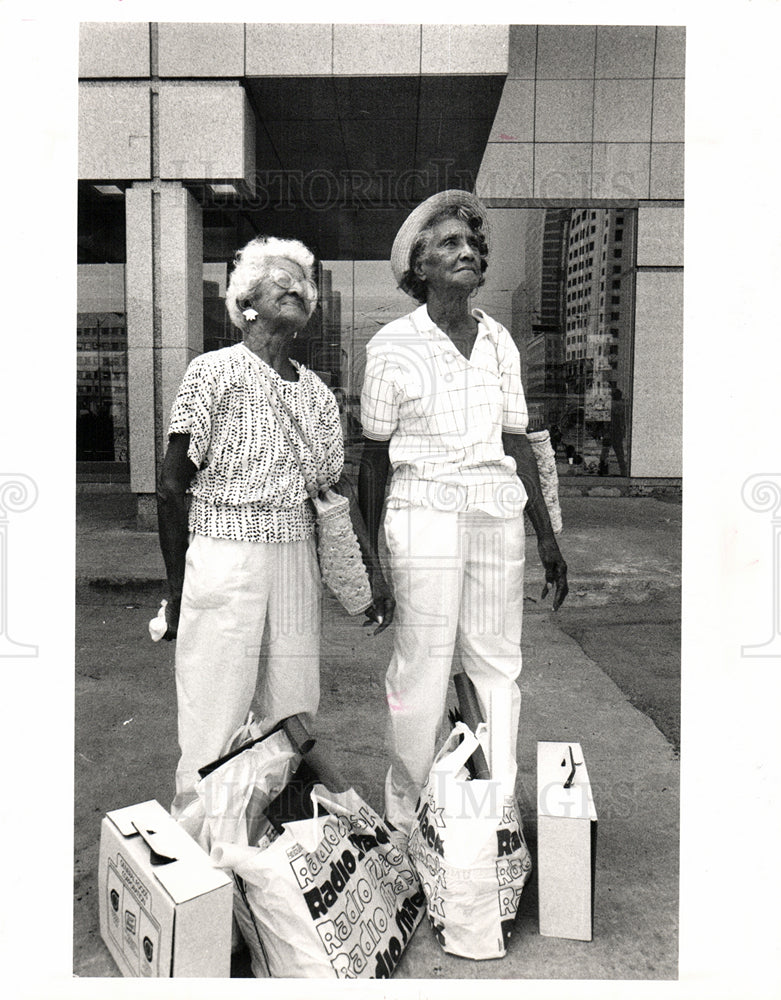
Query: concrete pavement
623,554
624,547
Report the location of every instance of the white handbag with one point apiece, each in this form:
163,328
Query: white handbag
549,476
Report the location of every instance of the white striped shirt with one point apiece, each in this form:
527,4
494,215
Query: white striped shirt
444,415
249,486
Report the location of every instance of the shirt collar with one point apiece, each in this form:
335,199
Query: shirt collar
424,324
488,325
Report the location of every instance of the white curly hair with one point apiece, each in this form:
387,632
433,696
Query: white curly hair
250,266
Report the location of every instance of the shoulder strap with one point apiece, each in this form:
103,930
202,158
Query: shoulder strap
275,401
293,418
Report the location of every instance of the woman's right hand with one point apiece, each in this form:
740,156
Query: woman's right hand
172,610
383,604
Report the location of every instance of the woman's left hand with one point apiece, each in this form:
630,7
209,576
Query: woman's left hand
555,571
383,604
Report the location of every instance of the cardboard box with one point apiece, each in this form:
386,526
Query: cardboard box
566,842
165,911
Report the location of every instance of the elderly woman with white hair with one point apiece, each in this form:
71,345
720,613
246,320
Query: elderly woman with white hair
241,563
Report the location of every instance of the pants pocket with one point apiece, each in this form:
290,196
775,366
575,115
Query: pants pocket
211,572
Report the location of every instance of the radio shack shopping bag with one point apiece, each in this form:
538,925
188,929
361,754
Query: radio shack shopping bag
468,849
331,897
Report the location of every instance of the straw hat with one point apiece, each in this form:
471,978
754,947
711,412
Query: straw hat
419,218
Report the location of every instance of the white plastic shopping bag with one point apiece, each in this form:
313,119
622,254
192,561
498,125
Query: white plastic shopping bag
330,897
468,849
233,797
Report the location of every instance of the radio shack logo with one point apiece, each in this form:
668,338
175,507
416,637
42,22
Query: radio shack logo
148,950
130,922
114,896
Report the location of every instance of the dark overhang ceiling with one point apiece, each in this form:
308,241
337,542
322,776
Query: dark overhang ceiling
340,161
101,226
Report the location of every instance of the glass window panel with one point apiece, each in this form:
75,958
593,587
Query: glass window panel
101,388
218,330
359,297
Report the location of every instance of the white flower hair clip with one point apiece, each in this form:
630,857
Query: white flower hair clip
250,315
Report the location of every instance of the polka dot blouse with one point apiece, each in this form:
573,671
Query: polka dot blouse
249,486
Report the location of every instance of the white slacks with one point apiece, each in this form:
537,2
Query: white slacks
236,596
458,583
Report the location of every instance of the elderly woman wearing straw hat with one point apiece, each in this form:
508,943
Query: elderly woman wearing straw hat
443,406
242,567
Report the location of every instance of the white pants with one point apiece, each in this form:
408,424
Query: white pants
458,583
237,595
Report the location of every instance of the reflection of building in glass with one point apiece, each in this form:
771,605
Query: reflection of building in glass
101,387
598,307
539,313
319,345
572,321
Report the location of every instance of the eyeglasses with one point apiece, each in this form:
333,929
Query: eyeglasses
283,279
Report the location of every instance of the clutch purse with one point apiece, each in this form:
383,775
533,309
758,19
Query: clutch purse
339,554
549,477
